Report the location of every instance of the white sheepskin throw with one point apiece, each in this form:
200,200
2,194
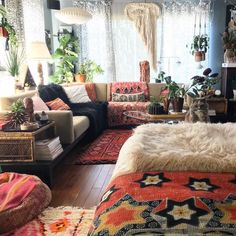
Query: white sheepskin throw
182,147
145,15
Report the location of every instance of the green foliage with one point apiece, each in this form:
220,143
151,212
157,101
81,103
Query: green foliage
15,57
200,43
174,89
66,55
202,86
10,29
17,106
89,68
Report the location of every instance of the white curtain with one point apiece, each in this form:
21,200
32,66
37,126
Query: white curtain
113,41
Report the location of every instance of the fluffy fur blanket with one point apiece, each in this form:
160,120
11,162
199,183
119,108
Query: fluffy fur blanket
185,146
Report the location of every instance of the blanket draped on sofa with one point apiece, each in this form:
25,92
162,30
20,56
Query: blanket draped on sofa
95,111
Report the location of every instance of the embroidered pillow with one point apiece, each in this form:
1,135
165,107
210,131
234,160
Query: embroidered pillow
130,88
77,94
39,104
90,88
57,104
135,97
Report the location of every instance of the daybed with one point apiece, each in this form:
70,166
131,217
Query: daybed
172,180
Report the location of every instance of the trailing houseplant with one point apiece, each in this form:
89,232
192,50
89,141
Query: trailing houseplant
65,56
87,70
199,46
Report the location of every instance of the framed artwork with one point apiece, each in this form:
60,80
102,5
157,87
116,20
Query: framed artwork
25,78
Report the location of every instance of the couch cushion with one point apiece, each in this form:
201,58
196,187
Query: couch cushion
80,124
101,91
134,97
130,87
90,88
77,94
57,104
116,110
39,104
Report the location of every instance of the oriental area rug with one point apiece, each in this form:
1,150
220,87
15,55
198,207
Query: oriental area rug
105,149
61,221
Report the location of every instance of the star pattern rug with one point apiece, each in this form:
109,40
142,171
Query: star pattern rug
105,149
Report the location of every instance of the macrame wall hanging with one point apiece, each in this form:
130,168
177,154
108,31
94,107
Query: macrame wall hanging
145,15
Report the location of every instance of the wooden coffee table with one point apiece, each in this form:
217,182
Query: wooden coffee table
163,118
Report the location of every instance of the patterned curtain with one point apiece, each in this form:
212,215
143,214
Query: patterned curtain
95,37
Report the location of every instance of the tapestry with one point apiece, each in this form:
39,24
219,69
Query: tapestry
60,221
168,203
105,149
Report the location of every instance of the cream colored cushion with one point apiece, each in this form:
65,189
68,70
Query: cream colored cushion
77,94
80,125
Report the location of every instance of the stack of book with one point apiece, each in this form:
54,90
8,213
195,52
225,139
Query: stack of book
48,149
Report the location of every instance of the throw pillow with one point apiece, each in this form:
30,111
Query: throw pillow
90,88
57,104
135,97
77,94
130,88
52,91
39,104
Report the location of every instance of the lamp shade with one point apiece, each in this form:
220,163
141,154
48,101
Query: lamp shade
38,51
73,15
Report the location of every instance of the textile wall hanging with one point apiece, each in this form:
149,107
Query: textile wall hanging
145,15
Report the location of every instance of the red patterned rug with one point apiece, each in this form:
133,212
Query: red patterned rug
105,149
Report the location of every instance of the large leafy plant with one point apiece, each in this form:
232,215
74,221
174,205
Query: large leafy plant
200,43
202,86
65,55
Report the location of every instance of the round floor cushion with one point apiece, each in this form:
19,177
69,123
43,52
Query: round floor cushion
22,198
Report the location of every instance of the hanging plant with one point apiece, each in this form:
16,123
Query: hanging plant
6,29
199,46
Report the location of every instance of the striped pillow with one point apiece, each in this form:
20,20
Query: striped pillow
57,104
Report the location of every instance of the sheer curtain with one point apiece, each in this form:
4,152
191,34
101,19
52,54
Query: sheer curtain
177,35
113,41
96,38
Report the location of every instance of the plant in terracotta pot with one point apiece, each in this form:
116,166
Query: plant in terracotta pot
87,70
199,47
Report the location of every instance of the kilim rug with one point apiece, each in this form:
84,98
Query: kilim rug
105,149
60,221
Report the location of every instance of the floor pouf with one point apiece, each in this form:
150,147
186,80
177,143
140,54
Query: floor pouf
22,198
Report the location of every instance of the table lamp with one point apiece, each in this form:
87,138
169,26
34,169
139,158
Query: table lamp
38,51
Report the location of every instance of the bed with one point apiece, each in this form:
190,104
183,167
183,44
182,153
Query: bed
172,180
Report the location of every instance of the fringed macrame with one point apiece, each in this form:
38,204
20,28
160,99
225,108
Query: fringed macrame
145,15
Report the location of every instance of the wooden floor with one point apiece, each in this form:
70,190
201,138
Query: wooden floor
79,185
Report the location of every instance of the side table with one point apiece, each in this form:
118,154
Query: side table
17,153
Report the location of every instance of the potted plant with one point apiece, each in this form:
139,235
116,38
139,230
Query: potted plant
87,70
155,107
175,93
15,57
200,89
199,47
229,43
65,55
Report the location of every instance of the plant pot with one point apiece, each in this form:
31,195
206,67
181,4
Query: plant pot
155,109
80,78
198,56
3,32
229,56
166,104
177,104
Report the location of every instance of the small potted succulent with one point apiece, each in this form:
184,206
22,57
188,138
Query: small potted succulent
155,107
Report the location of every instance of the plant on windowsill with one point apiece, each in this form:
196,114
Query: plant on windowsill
199,47
65,56
87,70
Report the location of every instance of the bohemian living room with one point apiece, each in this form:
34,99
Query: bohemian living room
117,117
